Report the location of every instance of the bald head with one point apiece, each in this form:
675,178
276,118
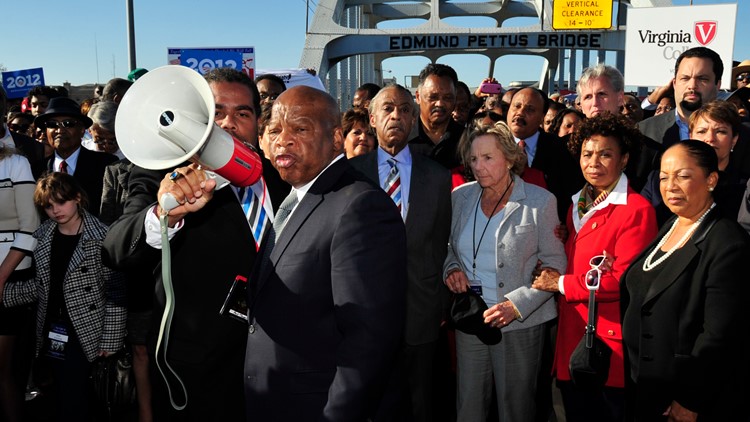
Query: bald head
306,135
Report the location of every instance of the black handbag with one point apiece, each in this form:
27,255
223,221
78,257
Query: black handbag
113,380
466,316
589,363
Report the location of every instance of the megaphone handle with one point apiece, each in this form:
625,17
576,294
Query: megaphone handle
168,201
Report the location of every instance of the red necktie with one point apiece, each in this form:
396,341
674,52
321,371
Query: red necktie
63,167
522,145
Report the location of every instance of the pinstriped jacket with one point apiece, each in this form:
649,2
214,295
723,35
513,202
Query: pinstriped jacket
95,295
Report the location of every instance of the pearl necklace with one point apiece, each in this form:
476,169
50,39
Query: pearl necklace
649,264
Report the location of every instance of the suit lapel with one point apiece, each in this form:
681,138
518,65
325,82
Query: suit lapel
518,194
419,194
688,252
370,168
44,251
670,273
313,198
300,214
595,223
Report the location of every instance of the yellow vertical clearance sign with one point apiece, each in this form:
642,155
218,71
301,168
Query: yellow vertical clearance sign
582,14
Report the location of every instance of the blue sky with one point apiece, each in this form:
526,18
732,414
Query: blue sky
65,38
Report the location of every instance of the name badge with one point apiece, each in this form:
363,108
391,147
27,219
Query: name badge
58,339
476,286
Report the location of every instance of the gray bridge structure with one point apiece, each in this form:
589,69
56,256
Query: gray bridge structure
346,47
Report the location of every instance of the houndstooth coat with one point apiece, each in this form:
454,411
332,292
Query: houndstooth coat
95,295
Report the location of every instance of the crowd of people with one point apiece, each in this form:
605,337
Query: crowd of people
367,228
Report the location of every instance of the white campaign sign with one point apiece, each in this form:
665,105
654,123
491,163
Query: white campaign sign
294,77
656,36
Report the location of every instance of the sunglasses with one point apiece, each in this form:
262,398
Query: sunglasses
594,275
271,97
18,128
54,124
106,142
491,114
744,77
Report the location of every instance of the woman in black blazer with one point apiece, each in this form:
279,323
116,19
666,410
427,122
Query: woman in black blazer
683,300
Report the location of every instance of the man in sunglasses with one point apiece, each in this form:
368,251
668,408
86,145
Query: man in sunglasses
31,149
65,126
741,75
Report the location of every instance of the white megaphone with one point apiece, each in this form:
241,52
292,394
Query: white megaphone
166,118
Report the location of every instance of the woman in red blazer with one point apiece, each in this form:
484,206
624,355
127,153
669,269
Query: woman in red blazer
607,218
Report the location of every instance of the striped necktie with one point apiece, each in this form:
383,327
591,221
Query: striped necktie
392,184
256,203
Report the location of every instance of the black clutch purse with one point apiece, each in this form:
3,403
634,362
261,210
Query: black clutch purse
466,316
113,380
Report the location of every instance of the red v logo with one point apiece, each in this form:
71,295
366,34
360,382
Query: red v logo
705,31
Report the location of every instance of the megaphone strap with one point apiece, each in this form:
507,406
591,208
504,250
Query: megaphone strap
169,375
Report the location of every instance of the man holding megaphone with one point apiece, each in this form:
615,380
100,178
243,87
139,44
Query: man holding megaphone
214,233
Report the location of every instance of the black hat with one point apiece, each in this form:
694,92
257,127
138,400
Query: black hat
62,106
466,315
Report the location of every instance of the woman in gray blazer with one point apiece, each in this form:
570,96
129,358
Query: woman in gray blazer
502,229
81,307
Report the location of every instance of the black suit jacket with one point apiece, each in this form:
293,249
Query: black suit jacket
428,224
32,150
89,174
687,328
561,171
214,246
327,310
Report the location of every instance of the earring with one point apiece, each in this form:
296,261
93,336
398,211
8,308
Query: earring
710,188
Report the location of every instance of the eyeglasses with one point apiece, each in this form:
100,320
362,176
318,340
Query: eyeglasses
54,124
743,77
18,128
594,275
271,97
630,107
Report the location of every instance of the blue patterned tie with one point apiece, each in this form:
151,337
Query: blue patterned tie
255,208
392,184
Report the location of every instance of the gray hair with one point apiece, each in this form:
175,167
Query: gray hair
601,70
103,114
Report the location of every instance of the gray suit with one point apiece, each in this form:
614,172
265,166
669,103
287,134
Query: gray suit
662,129
524,237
